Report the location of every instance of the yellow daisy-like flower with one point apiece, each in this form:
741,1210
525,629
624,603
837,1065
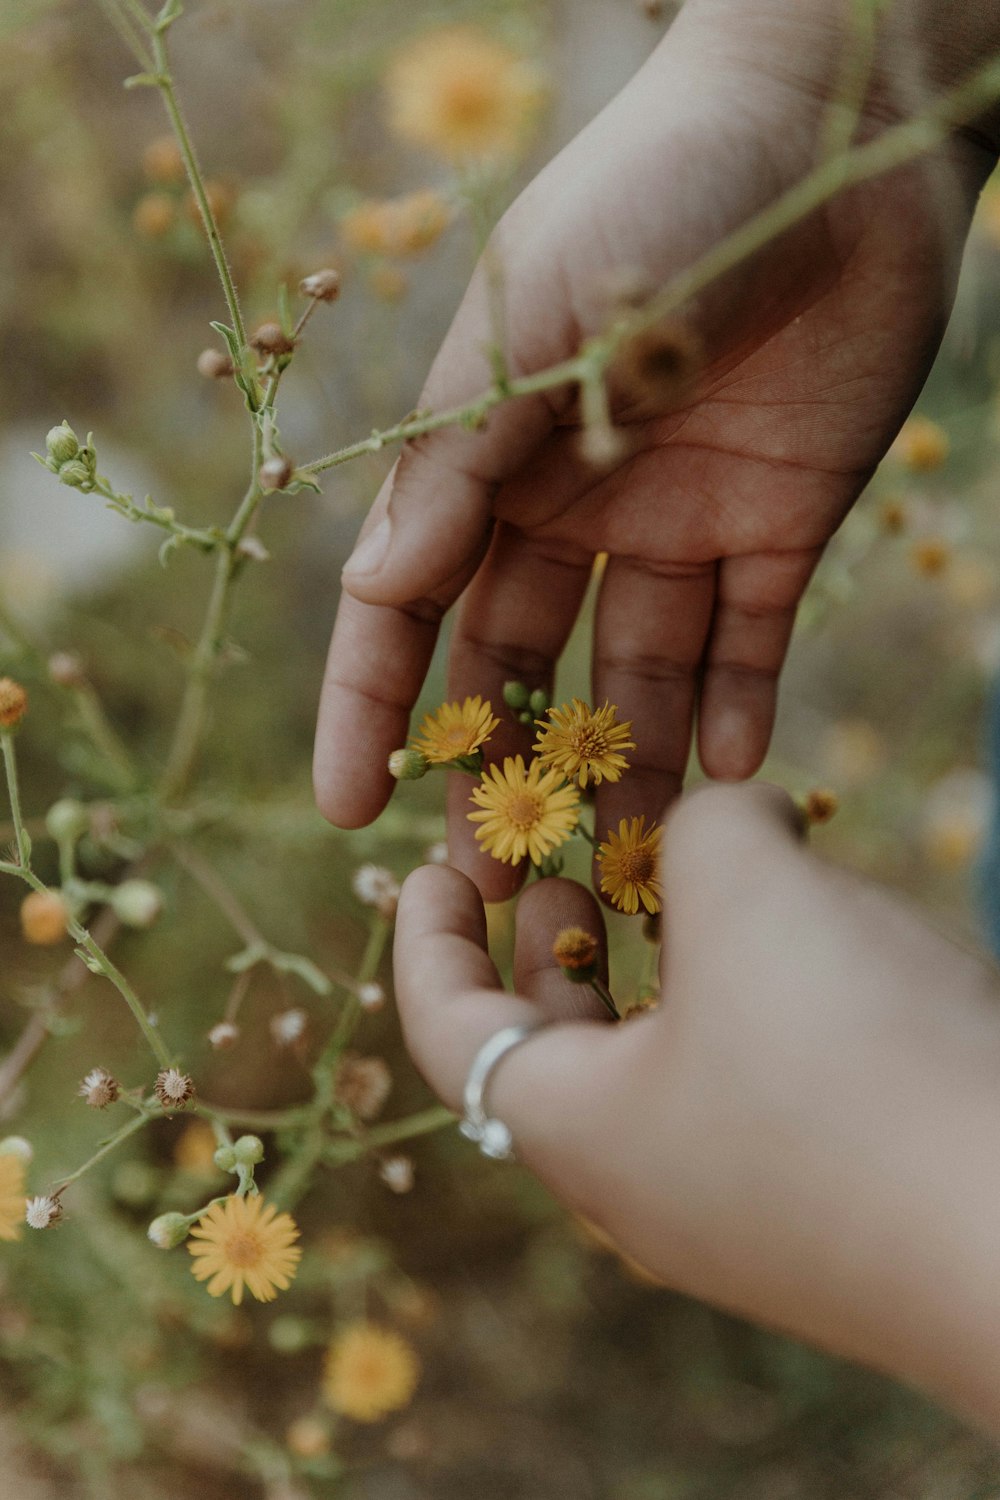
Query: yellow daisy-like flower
11,1196
245,1242
370,1371
630,866
455,729
463,94
523,812
584,743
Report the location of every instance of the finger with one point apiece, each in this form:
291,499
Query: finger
441,490
755,612
554,1090
513,623
650,631
547,908
376,665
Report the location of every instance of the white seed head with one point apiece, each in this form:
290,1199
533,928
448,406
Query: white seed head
224,1035
289,1026
173,1088
397,1173
39,1213
437,854
371,996
100,1088
376,886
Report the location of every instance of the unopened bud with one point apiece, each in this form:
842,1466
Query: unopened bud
276,472
248,1150
62,443
323,285
539,701
516,695
13,703
66,670
75,474
271,338
214,365
408,765
137,903
225,1159
44,917
169,1230
66,820
289,1335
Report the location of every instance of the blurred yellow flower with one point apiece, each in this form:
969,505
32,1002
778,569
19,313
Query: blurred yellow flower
195,1149
370,1371
629,863
245,1242
455,729
922,445
11,1196
396,226
584,743
463,94
523,812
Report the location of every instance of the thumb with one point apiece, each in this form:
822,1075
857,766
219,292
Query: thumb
433,516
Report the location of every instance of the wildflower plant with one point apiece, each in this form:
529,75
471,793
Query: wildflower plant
99,864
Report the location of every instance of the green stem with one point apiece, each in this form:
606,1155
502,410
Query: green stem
393,1134
186,744
107,968
165,84
10,766
103,736
605,996
137,1123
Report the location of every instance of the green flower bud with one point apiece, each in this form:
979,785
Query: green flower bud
137,903
66,820
62,443
249,1150
225,1159
75,474
169,1230
289,1335
408,765
539,701
516,695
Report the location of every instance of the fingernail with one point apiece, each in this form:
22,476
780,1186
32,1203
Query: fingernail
368,554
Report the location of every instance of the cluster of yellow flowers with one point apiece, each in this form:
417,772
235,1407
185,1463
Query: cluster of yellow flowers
530,811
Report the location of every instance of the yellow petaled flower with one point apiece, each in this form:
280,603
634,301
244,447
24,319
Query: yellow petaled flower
584,743
245,1242
370,1371
463,94
455,729
11,1196
630,866
523,812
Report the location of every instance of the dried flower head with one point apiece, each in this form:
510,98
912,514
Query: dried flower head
820,804
397,1173
575,948
462,94
371,997
376,886
173,1088
214,365
271,338
370,1371
523,812
276,472
583,743
289,1026
40,1213
362,1084
455,730
322,286
100,1088
654,370
44,918
224,1035
629,862
245,1242
13,703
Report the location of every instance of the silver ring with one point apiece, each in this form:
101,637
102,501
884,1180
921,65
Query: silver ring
492,1136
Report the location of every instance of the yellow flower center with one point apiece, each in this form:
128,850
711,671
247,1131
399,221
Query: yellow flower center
457,738
468,100
590,743
244,1249
637,866
523,810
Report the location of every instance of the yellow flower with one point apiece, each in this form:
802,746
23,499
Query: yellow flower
584,743
370,1371
523,812
396,226
11,1196
244,1241
194,1150
455,729
921,445
463,94
630,866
